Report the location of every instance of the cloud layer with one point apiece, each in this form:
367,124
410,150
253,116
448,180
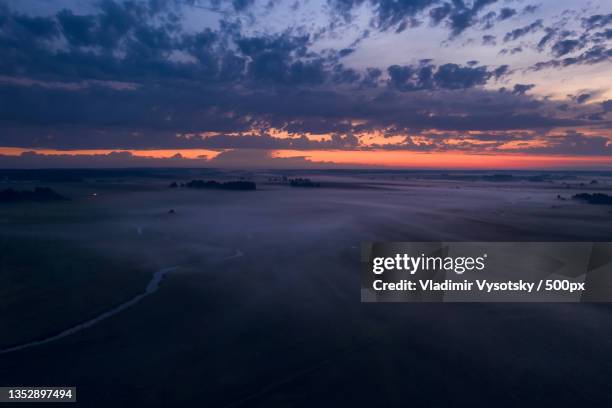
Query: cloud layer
193,74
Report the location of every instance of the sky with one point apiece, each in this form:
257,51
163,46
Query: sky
306,83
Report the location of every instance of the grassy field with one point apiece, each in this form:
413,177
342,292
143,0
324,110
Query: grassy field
47,285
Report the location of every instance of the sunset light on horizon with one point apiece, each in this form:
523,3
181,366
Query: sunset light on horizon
310,159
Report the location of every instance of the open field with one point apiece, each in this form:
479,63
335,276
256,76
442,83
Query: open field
263,308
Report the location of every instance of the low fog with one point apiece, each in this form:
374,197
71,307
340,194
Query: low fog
261,306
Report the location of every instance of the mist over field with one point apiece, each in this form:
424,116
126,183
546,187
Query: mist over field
258,301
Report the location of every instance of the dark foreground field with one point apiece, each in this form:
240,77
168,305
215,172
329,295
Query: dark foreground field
263,308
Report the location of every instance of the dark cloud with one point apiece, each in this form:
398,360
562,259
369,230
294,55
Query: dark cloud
371,78
594,55
595,116
438,14
603,35
520,89
77,29
488,20
511,51
447,76
569,143
120,42
345,51
97,118
489,40
563,47
38,26
265,141
389,13
453,76
550,34
500,71
530,8
240,5
520,32
276,59
582,98
123,43
105,29
505,13
456,14
575,143
342,75
597,21
463,16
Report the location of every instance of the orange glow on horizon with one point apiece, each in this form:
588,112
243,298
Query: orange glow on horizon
449,160
156,153
367,158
